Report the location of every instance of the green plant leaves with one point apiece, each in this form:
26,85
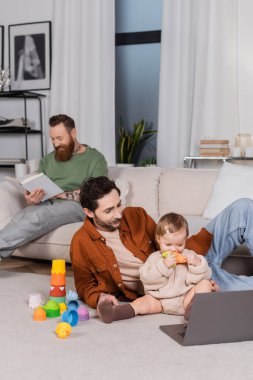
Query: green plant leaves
130,141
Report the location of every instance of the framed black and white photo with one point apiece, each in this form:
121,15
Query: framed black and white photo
30,56
1,46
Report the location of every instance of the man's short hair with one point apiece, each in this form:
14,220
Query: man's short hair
67,121
95,188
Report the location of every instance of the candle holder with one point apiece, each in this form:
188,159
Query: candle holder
243,140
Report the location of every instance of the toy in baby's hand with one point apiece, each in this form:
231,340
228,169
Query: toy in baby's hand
180,259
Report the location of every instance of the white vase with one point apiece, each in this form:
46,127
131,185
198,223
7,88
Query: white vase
20,170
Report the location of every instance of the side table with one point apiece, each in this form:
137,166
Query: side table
191,161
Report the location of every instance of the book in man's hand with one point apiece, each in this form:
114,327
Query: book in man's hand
37,181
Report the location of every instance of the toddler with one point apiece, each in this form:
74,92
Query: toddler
170,276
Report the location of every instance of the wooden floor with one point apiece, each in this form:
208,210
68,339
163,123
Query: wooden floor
19,264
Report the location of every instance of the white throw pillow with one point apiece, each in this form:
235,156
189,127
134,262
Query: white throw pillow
233,182
124,189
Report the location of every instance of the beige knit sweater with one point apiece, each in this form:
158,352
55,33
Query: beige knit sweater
162,282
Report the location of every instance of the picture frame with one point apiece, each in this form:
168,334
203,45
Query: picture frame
30,56
1,46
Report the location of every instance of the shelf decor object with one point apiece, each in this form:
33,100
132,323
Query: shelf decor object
211,148
5,78
243,140
1,46
25,130
30,56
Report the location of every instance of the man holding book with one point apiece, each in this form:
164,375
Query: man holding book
67,166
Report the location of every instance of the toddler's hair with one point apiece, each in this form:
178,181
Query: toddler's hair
170,223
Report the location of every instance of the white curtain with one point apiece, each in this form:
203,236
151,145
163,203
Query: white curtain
198,80
83,69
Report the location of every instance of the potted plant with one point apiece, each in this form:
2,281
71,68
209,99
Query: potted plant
149,162
131,141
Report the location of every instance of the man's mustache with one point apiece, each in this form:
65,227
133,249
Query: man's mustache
59,147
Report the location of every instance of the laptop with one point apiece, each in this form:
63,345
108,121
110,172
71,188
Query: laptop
220,317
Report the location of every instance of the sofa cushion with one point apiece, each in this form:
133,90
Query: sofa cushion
11,202
55,244
195,223
143,186
233,182
185,191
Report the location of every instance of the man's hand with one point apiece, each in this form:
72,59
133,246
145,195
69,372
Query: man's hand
34,197
108,297
104,297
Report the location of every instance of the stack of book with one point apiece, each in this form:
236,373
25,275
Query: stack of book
214,148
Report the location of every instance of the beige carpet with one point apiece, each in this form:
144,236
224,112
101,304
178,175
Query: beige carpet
132,349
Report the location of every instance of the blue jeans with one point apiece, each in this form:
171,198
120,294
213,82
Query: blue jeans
231,228
37,220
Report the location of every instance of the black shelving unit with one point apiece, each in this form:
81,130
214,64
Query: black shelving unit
25,96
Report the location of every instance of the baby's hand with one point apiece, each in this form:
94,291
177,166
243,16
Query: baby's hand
192,258
215,287
180,259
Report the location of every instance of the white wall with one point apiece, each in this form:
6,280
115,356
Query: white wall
20,12
245,72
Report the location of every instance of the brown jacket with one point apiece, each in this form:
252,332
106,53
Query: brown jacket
94,264
200,243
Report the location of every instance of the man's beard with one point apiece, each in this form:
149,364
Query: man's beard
64,152
106,226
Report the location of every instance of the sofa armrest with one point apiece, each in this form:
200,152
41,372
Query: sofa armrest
11,202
